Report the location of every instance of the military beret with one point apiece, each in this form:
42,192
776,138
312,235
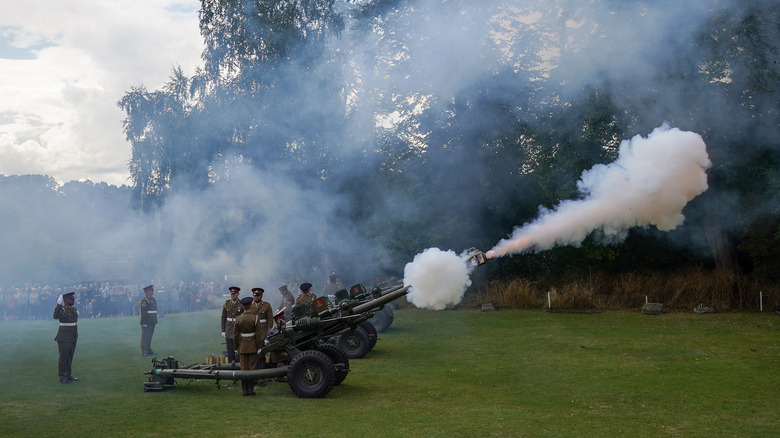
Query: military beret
257,290
246,300
305,286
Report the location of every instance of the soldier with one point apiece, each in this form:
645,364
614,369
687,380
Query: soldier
248,338
230,310
148,320
287,302
333,284
265,317
305,296
67,334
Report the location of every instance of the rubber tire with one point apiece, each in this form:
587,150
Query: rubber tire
311,374
355,343
372,335
336,355
380,320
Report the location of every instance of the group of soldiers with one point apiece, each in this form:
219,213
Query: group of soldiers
246,323
67,333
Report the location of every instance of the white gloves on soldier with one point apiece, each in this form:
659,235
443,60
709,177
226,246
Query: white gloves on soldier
61,301
259,350
223,334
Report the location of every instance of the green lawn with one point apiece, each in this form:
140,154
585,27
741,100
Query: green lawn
441,374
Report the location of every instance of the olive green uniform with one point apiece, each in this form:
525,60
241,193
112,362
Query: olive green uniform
248,336
307,298
148,322
265,321
230,310
66,338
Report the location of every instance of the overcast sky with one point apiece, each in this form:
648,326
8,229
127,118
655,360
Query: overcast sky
63,67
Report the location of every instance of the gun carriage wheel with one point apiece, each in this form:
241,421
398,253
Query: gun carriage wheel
339,358
355,343
311,374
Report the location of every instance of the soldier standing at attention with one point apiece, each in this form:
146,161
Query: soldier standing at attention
67,334
248,339
265,319
230,310
305,296
148,320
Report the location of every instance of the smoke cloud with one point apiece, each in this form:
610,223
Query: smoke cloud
437,278
649,184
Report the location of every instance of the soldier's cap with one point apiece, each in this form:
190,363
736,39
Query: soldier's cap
148,288
246,300
68,295
305,286
234,289
257,290
283,287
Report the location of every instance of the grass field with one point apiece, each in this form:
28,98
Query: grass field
434,374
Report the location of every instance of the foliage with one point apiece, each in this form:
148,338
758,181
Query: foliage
424,145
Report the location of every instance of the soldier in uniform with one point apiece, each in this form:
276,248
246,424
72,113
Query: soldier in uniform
67,334
287,302
305,296
230,310
265,317
148,320
333,284
248,338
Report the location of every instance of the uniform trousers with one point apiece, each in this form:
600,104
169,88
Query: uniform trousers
67,349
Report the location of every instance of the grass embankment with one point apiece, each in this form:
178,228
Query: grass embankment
680,290
450,373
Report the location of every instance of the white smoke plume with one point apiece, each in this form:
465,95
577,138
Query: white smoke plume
437,278
649,184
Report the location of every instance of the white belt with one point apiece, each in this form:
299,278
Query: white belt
151,311
67,324
263,320
231,319
247,335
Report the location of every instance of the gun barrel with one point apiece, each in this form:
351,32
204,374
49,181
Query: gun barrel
377,302
392,289
186,373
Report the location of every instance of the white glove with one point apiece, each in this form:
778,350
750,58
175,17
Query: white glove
266,342
259,350
223,334
61,301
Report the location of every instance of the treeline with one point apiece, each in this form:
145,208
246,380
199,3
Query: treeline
411,124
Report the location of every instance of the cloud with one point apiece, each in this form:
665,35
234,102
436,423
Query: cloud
63,67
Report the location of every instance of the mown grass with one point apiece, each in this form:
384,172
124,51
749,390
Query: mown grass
450,373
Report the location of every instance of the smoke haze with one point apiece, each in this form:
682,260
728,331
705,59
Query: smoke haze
649,184
266,225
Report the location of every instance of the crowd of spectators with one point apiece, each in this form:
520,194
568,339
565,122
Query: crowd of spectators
109,298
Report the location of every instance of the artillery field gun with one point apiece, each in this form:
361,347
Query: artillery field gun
300,351
311,352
